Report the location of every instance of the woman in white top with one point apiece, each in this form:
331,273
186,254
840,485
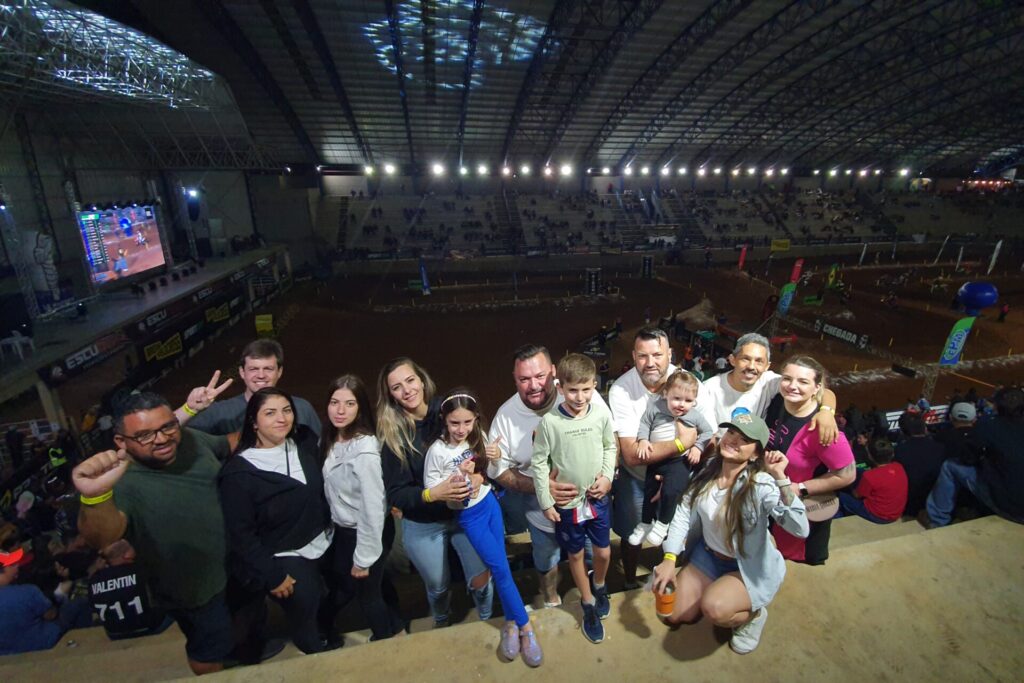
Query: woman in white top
363,527
277,521
732,570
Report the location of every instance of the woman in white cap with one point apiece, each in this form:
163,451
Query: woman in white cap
731,570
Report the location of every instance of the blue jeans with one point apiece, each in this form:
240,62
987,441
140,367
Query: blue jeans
851,505
426,544
953,477
627,503
483,525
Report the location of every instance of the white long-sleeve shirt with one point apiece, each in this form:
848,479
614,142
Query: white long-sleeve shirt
354,487
442,461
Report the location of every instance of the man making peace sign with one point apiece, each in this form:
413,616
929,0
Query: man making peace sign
158,490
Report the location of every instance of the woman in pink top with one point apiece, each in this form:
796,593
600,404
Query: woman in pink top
814,469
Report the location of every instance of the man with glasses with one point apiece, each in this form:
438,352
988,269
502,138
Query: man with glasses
158,491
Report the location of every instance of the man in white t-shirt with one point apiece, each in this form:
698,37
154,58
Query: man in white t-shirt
628,400
750,386
513,428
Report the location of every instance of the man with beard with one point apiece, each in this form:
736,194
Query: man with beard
512,431
628,399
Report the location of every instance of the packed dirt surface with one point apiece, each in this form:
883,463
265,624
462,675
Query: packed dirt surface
465,331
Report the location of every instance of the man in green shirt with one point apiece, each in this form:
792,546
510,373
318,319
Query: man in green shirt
159,491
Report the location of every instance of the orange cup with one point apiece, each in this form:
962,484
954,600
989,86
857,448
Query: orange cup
665,602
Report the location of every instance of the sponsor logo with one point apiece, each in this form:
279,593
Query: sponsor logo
956,345
82,357
204,293
165,349
192,331
156,318
217,314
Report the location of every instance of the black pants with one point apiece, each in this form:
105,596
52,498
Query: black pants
303,605
675,475
376,594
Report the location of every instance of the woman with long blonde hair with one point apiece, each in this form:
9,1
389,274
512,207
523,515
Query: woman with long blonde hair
407,423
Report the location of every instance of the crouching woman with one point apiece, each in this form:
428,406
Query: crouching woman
732,569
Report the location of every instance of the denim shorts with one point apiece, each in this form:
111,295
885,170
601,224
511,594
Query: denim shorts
709,564
628,492
572,537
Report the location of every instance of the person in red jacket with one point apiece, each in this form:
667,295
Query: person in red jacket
881,495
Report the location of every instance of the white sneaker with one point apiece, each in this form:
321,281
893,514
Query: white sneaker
657,533
639,533
746,637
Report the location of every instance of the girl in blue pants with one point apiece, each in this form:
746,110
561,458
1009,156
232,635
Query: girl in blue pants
460,454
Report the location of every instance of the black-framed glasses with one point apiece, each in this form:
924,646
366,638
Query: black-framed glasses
147,438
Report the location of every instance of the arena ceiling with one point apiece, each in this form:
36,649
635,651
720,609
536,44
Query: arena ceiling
930,84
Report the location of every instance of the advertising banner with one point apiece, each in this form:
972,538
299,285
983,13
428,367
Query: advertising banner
955,341
743,256
798,267
786,295
780,245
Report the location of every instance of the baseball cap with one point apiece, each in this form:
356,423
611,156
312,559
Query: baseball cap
963,412
750,426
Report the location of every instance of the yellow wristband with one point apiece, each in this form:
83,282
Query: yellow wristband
670,556
189,411
102,498
827,409
426,496
680,446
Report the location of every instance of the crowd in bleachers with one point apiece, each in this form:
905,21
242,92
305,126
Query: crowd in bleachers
276,498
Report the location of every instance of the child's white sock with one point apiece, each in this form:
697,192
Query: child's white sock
598,586
590,602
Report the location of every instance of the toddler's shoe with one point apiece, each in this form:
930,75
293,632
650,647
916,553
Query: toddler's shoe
656,535
639,534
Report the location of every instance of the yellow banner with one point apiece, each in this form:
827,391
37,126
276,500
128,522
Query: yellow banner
161,350
780,245
217,314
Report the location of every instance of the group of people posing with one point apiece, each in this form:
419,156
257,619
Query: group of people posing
228,501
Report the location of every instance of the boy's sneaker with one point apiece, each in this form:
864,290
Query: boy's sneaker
639,534
602,603
746,637
657,533
593,629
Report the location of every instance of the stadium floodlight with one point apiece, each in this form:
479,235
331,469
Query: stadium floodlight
862,172
904,172
389,169
319,168
769,172
701,171
735,171
606,171
682,170
848,171
482,169
752,170
646,170
817,171
565,170
287,169
3,207
718,170
784,171
438,169
368,170
878,171
525,170
547,171
665,170
833,172
192,192
463,170
629,170
506,171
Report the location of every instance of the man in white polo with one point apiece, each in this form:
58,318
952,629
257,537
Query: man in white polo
628,400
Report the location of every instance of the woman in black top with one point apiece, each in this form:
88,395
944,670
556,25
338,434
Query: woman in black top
407,423
278,523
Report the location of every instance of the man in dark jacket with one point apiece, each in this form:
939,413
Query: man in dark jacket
921,457
998,480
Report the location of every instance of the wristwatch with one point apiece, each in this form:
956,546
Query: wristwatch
802,487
